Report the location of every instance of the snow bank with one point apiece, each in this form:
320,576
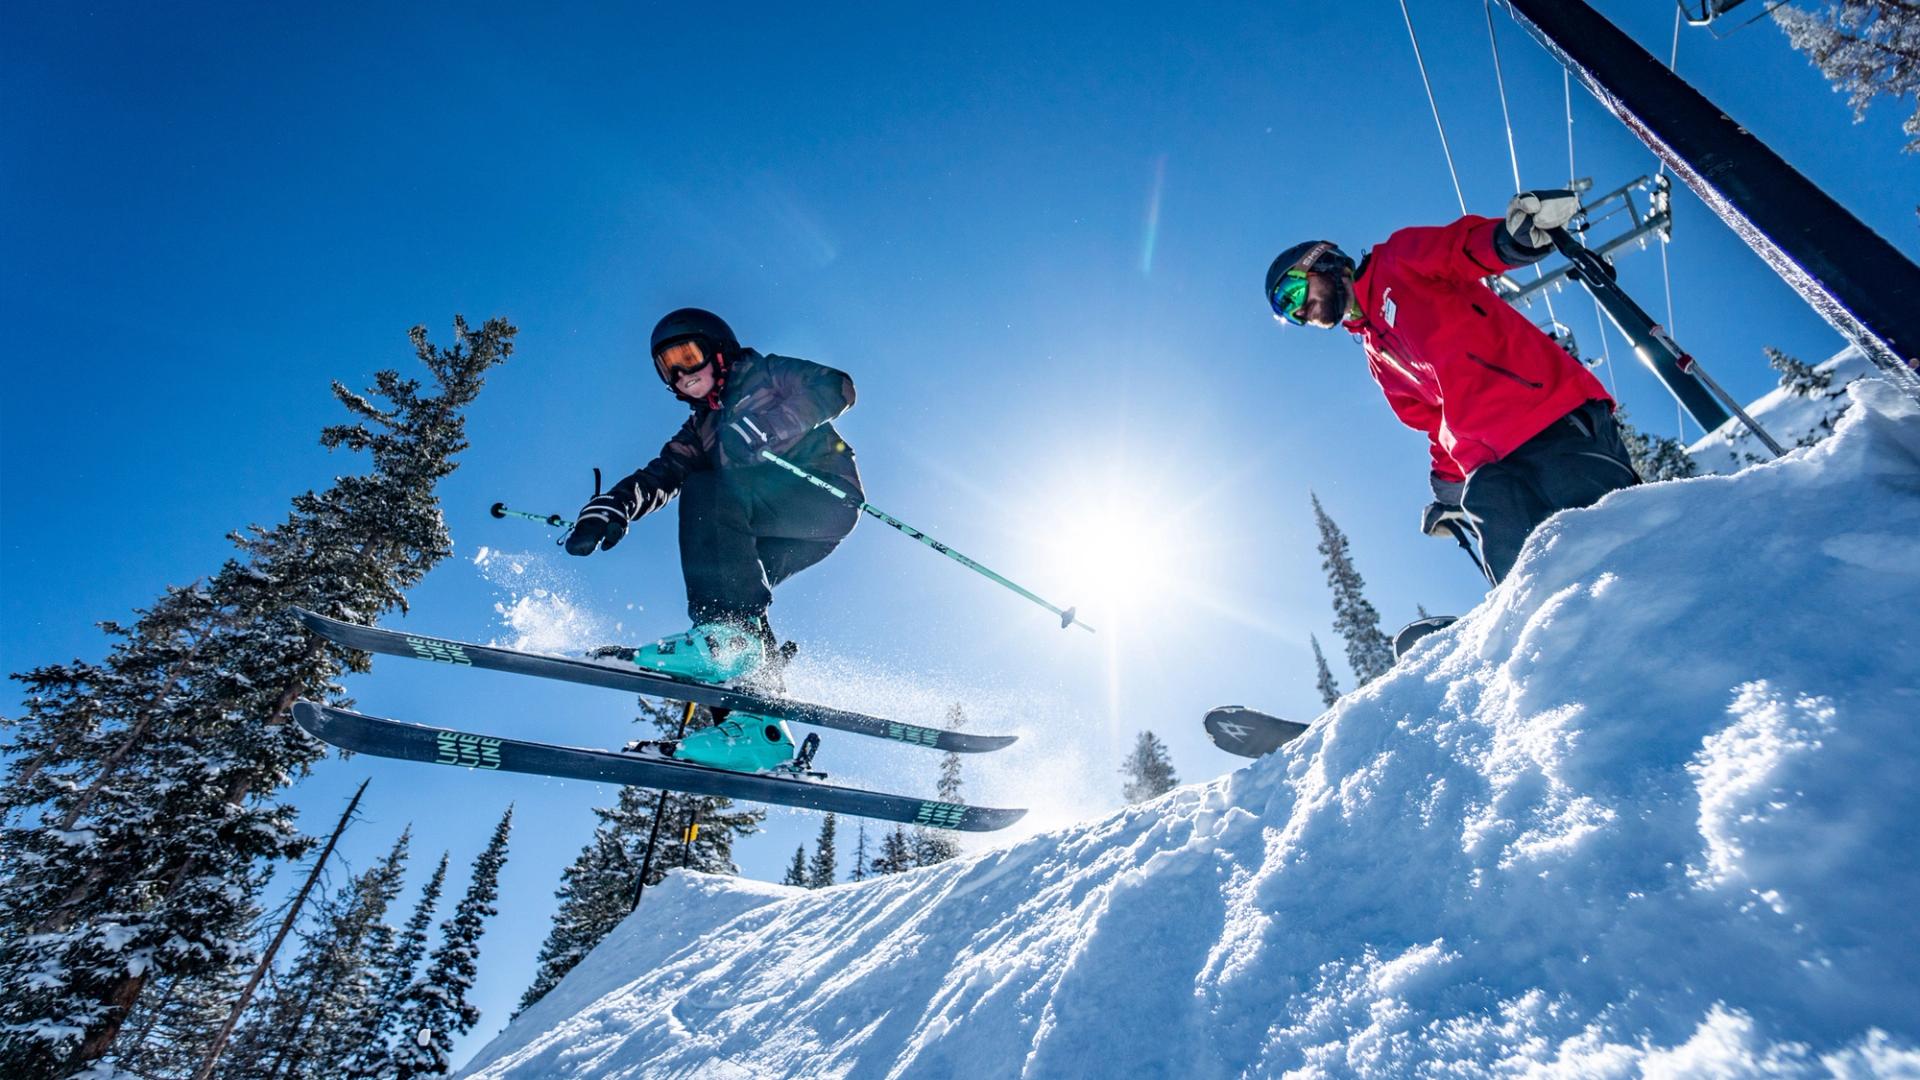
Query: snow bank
1793,420
1648,809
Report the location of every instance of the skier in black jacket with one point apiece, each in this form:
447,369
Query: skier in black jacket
745,525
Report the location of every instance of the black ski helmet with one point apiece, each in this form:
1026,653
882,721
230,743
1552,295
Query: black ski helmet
1314,257
711,330
1328,259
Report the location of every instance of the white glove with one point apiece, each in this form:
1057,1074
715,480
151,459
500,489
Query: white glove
1532,213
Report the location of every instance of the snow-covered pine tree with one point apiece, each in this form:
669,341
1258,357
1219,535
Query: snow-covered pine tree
932,846
896,852
1148,769
396,972
1798,377
171,1028
1369,652
309,1022
797,869
436,1004
166,758
825,864
1654,457
948,787
1865,48
1323,675
861,867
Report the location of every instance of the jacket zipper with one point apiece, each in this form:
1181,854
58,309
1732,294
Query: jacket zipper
1509,374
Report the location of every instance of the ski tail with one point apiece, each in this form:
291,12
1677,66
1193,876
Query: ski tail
1250,732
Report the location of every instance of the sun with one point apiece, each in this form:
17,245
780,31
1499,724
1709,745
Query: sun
1118,550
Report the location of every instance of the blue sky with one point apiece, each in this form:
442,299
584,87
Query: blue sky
1032,233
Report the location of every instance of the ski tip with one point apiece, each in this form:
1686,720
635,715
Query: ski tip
980,744
311,718
314,621
990,819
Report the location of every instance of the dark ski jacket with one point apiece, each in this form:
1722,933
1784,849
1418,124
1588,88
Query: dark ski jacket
791,401
1455,360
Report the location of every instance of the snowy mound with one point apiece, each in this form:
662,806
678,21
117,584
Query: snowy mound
1792,419
1649,808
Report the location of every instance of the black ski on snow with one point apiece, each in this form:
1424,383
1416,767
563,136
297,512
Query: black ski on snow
442,746
615,675
1248,732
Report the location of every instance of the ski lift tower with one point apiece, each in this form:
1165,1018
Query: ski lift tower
1646,205
1850,275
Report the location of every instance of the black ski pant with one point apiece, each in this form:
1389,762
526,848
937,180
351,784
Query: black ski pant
743,531
1571,464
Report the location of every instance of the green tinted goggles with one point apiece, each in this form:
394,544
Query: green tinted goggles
1289,293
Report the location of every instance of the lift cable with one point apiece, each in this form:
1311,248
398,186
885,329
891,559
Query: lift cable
1666,274
1573,172
1435,106
1513,153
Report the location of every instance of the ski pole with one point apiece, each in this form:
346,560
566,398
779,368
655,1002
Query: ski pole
659,812
501,510
1461,536
1067,616
1647,335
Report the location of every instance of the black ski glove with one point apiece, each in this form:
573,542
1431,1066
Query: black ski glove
1444,513
742,440
1441,519
601,524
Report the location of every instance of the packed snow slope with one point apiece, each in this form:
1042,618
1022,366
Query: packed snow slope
1650,808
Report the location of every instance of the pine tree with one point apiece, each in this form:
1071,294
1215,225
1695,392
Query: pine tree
1865,48
825,864
1148,769
1654,457
170,1029
1798,377
896,852
797,869
1369,652
435,1008
164,761
948,787
309,1022
861,868
396,972
595,894
1323,678
934,846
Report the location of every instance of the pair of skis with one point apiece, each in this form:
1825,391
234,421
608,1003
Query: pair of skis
445,746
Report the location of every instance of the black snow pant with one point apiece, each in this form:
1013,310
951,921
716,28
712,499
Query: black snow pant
743,531
1571,464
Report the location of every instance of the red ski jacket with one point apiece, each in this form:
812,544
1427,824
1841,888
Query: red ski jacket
1455,360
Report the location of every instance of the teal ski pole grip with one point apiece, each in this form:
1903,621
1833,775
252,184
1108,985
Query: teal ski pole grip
1068,616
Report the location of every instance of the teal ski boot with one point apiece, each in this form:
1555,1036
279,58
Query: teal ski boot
712,652
742,742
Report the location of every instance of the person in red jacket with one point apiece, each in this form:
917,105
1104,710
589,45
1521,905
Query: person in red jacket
1518,428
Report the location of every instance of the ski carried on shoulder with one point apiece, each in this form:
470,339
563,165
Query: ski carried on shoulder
619,675
444,746
1249,732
